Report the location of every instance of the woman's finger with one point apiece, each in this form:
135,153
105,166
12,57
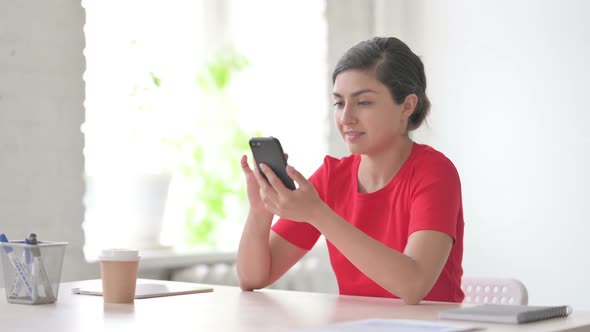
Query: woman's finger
245,166
274,180
296,176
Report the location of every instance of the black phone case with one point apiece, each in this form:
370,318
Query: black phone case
268,151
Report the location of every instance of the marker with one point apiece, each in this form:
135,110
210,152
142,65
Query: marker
34,277
18,267
27,253
39,268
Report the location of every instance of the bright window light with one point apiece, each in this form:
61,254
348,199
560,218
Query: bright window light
173,91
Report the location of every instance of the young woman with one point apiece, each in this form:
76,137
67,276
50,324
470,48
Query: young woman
391,212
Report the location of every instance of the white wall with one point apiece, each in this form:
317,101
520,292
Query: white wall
349,21
41,110
508,82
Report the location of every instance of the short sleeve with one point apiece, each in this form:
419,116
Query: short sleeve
302,234
436,196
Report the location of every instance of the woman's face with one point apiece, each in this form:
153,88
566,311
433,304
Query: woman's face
367,117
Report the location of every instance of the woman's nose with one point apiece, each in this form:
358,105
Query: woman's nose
346,114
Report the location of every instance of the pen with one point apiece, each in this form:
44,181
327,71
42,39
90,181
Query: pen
16,284
18,267
39,268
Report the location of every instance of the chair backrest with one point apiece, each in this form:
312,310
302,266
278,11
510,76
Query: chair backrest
494,290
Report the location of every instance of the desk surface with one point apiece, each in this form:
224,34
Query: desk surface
230,309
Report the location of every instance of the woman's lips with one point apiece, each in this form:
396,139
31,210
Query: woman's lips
352,136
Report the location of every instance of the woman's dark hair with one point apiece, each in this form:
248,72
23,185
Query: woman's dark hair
395,66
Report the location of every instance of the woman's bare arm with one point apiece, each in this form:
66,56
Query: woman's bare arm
409,275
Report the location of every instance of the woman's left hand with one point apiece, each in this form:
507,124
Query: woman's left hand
302,204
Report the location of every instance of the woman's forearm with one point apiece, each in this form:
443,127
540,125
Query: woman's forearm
397,273
254,256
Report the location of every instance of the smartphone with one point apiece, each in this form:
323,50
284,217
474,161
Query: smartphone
268,151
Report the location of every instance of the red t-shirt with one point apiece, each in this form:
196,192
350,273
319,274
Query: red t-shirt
425,194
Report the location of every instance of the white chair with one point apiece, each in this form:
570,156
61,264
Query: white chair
494,291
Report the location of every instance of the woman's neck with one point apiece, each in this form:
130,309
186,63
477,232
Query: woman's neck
376,170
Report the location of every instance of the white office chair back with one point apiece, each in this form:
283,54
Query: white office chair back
494,291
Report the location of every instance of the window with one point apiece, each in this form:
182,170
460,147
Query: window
151,113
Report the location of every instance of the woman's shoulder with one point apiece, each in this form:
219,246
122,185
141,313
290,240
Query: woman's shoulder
340,165
332,169
428,159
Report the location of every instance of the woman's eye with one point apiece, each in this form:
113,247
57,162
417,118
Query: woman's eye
364,103
339,104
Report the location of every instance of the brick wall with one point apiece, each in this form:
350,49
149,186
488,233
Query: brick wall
41,111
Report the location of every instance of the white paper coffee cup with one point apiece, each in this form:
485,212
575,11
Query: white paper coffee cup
118,269
120,255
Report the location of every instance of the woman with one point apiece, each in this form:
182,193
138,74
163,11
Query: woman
391,212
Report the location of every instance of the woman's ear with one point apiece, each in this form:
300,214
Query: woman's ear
409,105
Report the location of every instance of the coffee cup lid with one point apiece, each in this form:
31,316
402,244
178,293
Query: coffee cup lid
127,255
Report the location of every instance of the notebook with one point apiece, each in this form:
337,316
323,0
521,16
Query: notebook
511,314
147,290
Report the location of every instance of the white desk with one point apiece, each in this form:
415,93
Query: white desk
230,309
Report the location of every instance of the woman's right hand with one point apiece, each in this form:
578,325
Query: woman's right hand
253,189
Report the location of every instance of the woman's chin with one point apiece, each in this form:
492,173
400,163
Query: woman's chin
354,149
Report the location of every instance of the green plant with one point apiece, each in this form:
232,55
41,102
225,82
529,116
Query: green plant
210,155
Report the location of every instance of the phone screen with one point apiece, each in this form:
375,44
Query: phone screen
268,151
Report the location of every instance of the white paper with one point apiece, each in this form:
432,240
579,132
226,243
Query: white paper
388,325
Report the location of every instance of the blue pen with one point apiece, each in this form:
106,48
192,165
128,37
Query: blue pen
18,267
17,284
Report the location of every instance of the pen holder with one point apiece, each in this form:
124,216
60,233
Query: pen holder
32,272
